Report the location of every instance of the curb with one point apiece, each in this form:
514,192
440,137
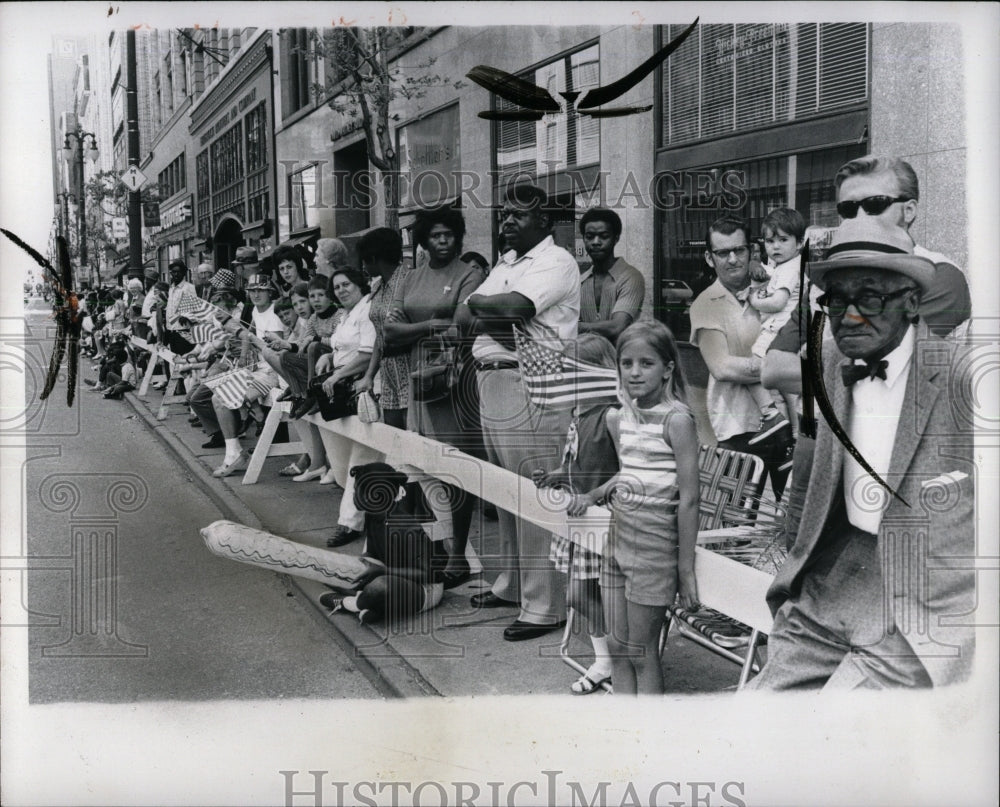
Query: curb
387,670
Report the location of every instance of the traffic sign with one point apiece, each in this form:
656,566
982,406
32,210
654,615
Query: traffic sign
132,178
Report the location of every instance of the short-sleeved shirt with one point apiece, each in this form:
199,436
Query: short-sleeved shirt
548,276
266,321
627,297
731,407
354,334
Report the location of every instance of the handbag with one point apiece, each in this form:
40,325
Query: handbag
368,409
342,403
438,376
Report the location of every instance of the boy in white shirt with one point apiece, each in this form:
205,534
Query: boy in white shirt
784,235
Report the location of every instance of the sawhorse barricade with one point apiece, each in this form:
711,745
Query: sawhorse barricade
266,447
730,587
179,371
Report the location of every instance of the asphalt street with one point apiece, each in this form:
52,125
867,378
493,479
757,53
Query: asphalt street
124,602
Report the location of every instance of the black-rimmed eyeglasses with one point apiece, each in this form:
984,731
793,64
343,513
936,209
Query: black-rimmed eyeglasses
723,254
868,304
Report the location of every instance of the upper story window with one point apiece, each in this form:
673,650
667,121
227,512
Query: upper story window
732,78
559,140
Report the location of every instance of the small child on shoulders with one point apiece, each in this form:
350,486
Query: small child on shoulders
784,236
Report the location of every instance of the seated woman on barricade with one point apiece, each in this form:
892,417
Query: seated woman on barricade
256,381
345,369
220,349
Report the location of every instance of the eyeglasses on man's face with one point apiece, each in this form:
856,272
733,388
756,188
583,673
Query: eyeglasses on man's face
867,303
872,205
723,254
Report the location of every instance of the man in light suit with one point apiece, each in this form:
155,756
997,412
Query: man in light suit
878,587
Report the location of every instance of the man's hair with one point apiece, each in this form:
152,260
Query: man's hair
727,225
177,265
609,217
320,282
300,289
382,243
282,304
446,215
787,220
902,171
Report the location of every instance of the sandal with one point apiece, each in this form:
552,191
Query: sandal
292,469
585,685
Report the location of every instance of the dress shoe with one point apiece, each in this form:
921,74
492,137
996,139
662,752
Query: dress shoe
518,631
227,468
310,474
215,441
488,599
287,395
344,536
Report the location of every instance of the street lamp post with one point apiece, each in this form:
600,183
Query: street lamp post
71,151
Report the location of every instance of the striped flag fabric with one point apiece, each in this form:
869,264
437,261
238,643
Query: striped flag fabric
557,380
204,332
230,388
195,308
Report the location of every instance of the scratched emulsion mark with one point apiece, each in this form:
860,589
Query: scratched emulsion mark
536,102
66,312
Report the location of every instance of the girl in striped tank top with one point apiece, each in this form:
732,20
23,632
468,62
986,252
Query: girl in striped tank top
648,560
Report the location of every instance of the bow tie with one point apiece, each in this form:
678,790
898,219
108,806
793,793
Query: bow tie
851,373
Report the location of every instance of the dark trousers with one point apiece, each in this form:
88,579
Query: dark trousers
773,455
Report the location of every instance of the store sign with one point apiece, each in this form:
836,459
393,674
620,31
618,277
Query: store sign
119,229
429,159
755,39
169,217
229,116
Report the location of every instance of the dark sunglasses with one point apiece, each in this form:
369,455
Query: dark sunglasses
868,304
873,205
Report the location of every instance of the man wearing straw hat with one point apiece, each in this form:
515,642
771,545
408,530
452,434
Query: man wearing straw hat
878,587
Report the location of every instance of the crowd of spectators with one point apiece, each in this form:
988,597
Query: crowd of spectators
323,331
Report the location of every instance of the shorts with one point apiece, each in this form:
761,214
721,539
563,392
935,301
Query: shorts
642,557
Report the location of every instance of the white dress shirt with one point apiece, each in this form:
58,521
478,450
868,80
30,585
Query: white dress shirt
876,405
548,276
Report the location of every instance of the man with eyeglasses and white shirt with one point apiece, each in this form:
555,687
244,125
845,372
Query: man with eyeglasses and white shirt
724,327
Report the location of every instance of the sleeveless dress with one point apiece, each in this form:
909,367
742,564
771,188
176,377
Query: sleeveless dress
641,552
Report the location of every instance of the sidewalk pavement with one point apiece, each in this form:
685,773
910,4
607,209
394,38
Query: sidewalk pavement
452,650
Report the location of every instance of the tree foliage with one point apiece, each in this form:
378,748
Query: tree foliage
363,79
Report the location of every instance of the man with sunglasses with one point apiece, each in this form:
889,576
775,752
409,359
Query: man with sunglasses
878,587
886,188
724,327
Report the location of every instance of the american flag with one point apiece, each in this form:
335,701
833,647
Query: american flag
194,308
231,388
203,332
557,380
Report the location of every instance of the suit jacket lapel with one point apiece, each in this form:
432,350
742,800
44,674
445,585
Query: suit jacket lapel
922,390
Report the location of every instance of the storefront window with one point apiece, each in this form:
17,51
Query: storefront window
750,190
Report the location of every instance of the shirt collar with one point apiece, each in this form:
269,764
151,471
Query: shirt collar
899,359
510,256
